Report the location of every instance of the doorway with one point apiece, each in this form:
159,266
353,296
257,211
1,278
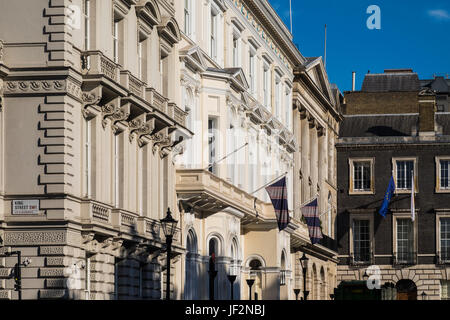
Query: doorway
406,290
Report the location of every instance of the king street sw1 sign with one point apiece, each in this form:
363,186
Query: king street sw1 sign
25,207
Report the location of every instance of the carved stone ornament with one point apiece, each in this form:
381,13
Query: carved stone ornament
87,237
90,99
177,151
108,110
158,139
1,49
121,115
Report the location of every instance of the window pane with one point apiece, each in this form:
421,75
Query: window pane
445,173
362,176
405,170
361,240
405,241
445,239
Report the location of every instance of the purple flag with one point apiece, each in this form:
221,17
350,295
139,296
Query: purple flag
278,195
311,215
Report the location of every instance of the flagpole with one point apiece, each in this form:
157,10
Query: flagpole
306,202
290,12
216,162
274,180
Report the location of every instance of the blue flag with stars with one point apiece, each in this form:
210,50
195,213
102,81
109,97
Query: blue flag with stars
387,198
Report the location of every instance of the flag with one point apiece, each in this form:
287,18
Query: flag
278,195
311,215
413,204
387,197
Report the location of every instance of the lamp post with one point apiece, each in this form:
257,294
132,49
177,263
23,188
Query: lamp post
169,227
250,283
212,275
232,278
304,264
424,295
17,271
296,291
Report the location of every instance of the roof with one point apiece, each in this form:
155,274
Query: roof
439,84
443,119
391,82
379,125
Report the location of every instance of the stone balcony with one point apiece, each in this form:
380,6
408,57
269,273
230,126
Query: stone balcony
109,221
211,194
95,63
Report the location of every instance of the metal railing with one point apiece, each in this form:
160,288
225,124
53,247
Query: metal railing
364,258
282,277
443,257
405,258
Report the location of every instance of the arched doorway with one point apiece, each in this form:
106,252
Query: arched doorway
323,285
256,266
406,290
191,288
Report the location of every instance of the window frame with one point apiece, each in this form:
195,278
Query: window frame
362,216
352,190
416,174
440,214
398,215
214,34
439,188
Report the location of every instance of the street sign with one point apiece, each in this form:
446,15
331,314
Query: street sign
25,207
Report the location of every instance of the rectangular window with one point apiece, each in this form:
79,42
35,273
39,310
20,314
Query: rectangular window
405,172
251,71
235,51
187,17
361,176
445,239
361,240
87,153
116,41
213,44
87,291
405,241
212,144
266,85
445,290
139,49
87,27
116,171
444,174
278,98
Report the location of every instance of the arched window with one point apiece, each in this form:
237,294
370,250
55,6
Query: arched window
191,287
323,285
283,270
330,215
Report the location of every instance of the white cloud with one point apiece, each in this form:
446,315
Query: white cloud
439,14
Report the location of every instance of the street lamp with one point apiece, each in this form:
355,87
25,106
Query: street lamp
232,278
250,283
168,225
296,291
304,264
424,295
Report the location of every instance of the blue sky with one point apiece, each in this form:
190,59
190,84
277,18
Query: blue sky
414,34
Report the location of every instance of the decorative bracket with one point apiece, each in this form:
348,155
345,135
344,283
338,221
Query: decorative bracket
121,115
109,110
91,99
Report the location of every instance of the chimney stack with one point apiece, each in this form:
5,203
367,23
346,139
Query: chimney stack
353,81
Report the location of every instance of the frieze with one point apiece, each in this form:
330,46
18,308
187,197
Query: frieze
51,251
51,272
35,86
35,237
